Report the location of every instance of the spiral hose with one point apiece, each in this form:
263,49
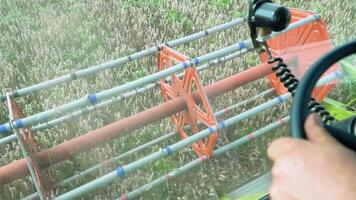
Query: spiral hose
289,81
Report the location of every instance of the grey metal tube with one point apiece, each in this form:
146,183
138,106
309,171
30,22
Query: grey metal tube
116,99
121,61
122,171
92,99
160,139
166,136
189,166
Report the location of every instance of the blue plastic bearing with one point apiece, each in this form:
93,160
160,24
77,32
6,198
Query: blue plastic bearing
120,171
196,61
185,65
92,98
280,99
18,123
242,45
211,130
3,129
168,150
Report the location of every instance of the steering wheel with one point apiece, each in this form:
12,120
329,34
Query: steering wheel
343,131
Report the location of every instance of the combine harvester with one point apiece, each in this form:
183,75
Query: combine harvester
186,102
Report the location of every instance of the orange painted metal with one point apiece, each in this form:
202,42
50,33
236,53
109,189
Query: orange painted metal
186,87
70,148
31,147
306,44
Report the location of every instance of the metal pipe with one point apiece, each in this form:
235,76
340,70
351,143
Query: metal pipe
189,166
68,149
115,63
92,99
116,99
156,141
169,150
160,139
254,98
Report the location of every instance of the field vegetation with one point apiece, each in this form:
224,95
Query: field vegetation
44,39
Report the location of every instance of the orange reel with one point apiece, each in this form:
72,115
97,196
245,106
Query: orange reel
303,45
199,114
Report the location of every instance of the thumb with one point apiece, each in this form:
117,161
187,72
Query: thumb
315,131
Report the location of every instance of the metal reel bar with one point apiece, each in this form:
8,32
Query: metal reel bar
192,90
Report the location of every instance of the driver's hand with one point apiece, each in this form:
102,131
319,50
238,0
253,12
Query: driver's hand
320,168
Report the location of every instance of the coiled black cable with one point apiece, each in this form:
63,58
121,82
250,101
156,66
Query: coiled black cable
289,81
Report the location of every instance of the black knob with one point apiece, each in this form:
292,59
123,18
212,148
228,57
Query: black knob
272,16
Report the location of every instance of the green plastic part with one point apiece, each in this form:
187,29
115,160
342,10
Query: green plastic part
255,196
337,109
340,110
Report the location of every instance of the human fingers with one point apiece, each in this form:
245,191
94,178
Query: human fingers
315,131
283,146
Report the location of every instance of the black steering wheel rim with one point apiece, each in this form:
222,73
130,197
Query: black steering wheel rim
303,94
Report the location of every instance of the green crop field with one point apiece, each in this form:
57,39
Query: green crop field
44,39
